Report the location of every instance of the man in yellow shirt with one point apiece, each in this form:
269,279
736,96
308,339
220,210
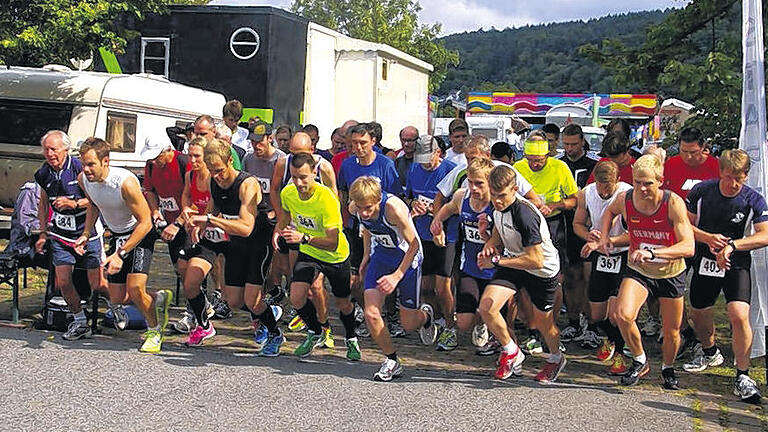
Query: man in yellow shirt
552,180
312,218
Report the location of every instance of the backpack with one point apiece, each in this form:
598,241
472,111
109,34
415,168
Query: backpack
136,320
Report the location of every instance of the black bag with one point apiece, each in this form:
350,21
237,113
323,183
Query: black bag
56,315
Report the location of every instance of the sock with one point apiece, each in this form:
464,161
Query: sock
325,324
268,319
555,358
641,358
80,317
308,313
667,370
511,347
710,351
392,356
349,324
245,308
740,372
198,305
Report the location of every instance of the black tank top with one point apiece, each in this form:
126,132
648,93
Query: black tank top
228,200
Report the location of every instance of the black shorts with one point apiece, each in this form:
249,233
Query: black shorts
574,242
138,260
673,287
355,245
177,245
469,292
438,260
606,275
245,261
736,285
307,268
541,290
557,233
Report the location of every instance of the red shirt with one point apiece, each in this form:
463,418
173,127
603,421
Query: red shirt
649,231
680,177
625,172
168,184
338,158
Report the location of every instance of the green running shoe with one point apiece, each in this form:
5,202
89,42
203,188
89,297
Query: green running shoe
448,340
313,341
153,342
353,350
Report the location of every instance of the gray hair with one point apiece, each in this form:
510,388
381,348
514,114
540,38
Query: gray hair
61,134
657,151
223,132
480,142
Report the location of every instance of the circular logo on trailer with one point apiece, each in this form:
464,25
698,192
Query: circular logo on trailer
244,43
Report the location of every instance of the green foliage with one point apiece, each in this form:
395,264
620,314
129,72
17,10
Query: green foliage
392,22
543,58
37,32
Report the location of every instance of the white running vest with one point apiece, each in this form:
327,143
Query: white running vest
597,205
108,197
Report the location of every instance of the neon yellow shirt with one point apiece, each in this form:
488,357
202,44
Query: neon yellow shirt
320,212
552,183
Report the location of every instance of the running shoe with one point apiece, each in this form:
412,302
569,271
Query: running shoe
327,338
702,361
353,350
448,340
570,333
479,335
508,364
396,330
261,334
199,334
532,346
362,330
296,324
428,334
312,341
590,340
490,348
747,390
77,330
606,350
550,371
389,369
186,324
271,348
359,313
119,316
636,371
153,342
652,327
670,380
221,309
619,366
163,300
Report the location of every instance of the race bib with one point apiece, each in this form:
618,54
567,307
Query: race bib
709,267
648,246
168,204
383,240
609,264
472,234
307,222
215,235
429,202
265,184
65,222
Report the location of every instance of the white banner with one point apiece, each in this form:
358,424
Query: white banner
753,140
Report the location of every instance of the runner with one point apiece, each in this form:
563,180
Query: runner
458,133
660,238
473,205
116,197
60,193
723,212
522,253
312,219
392,261
606,269
421,187
235,196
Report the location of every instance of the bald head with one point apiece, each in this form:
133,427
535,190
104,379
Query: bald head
300,143
348,124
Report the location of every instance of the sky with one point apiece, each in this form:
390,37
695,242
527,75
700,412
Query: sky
457,16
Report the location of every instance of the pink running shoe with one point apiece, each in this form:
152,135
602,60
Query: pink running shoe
199,334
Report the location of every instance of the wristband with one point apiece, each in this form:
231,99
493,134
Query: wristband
122,253
178,225
495,259
653,255
207,218
305,239
732,244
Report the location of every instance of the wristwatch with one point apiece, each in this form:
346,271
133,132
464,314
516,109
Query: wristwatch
122,253
495,259
178,225
305,239
653,255
732,244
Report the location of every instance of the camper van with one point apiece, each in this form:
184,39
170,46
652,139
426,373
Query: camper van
123,109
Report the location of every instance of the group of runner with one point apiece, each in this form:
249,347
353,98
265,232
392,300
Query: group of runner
463,243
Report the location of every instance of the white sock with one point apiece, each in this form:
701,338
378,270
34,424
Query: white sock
555,358
511,347
641,358
80,317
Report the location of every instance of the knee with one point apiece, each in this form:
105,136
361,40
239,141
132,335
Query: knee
623,317
344,305
738,317
487,309
373,315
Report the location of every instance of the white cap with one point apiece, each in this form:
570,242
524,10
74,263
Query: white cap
154,145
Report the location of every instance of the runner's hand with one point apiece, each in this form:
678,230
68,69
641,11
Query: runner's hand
188,212
605,245
275,238
194,232
40,244
594,236
418,208
291,235
436,227
198,220
439,240
113,264
169,233
724,257
482,225
484,262
588,248
80,244
386,284
640,256
545,210
64,203
716,242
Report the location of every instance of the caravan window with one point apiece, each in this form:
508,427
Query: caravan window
121,131
25,122
489,133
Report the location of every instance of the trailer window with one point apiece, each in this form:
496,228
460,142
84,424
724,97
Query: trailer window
121,131
489,133
25,122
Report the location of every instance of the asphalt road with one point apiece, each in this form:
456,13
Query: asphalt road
105,384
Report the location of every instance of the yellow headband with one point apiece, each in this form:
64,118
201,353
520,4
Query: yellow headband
536,147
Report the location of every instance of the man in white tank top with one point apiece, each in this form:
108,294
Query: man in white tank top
115,193
606,269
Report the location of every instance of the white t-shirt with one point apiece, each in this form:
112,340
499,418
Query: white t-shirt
240,139
448,186
458,158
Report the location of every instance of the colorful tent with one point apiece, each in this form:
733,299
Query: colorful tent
537,104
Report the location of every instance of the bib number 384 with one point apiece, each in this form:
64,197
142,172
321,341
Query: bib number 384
609,264
65,222
709,268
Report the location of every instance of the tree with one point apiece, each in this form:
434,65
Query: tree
392,22
37,32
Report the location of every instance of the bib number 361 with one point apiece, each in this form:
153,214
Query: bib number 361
608,264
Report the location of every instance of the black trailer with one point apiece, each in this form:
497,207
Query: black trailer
256,54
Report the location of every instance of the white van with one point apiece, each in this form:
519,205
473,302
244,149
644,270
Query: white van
123,109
